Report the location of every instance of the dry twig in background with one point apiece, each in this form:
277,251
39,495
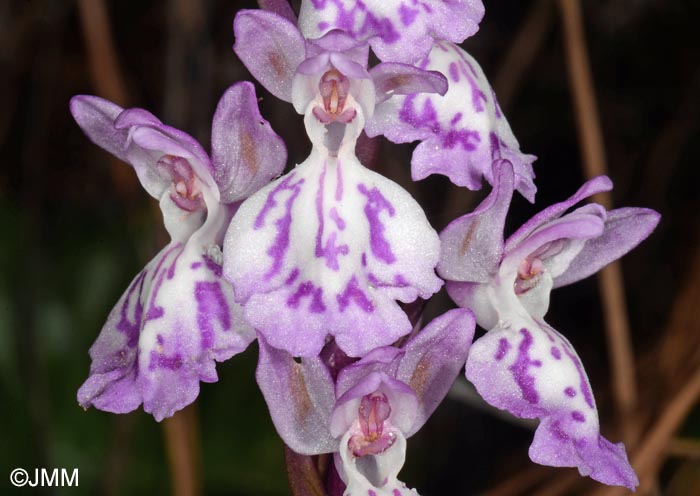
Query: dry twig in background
610,281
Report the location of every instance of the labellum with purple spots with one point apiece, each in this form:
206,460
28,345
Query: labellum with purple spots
178,316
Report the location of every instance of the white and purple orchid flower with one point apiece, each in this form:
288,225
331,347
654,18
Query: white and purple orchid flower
364,411
178,316
330,247
397,30
523,365
461,132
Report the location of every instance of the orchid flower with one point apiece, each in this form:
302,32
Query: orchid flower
461,132
398,31
178,316
295,70
366,414
330,247
522,364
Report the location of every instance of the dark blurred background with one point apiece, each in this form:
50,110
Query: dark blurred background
77,227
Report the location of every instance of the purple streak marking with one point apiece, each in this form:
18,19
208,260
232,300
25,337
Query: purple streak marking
555,352
587,395
154,311
525,382
339,182
427,119
354,293
214,267
503,347
399,282
407,14
330,252
469,140
319,212
376,203
211,306
162,260
454,72
578,416
308,289
497,107
339,222
477,94
161,361
132,329
283,224
292,277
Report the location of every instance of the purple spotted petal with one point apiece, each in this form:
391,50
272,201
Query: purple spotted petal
472,246
176,319
624,229
246,152
398,31
280,7
532,371
328,248
591,187
462,132
300,397
271,48
433,359
392,78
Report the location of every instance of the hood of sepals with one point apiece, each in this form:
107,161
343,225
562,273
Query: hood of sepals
551,249
178,317
461,131
397,31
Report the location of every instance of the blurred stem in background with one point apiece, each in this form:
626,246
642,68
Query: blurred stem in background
183,447
610,282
